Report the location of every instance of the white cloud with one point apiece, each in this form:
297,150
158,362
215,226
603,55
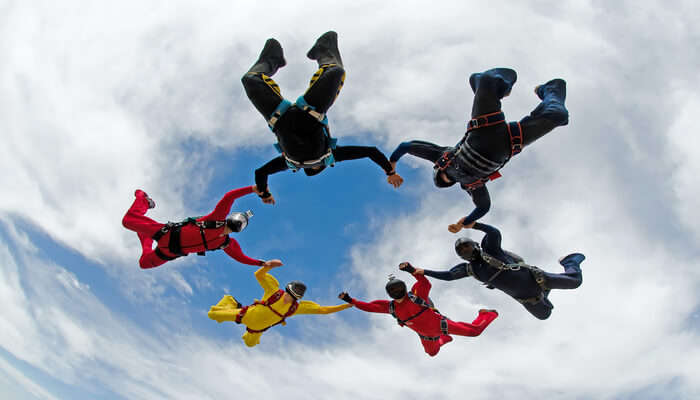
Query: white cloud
98,99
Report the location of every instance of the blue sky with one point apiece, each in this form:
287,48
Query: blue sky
99,99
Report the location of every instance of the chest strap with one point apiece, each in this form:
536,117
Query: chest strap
275,297
415,299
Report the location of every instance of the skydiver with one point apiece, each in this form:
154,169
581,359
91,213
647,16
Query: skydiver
415,310
301,128
193,235
501,269
489,141
276,306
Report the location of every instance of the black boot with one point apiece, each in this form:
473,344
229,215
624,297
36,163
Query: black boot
555,87
573,260
502,79
553,95
325,50
271,59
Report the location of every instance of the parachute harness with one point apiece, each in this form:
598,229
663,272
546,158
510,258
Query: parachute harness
274,298
424,306
537,275
476,160
325,160
174,245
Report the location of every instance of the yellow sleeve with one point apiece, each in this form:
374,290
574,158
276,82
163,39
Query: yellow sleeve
251,339
309,307
267,282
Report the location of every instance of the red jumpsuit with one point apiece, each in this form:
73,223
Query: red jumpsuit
190,236
427,324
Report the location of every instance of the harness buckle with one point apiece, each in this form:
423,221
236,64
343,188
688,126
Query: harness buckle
444,161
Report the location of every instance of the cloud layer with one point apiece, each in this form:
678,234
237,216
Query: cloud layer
99,100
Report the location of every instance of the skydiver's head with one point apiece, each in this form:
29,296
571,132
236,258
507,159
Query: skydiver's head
441,180
467,249
396,288
295,291
237,221
314,170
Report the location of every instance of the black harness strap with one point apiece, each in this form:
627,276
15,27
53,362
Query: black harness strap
163,256
417,300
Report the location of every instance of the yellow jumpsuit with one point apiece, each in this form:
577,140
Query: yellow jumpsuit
259,317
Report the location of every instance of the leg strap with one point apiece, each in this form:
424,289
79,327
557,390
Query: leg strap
164,256
515,131
277,114
486,120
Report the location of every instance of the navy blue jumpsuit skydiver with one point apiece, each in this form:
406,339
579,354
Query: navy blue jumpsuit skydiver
487,146
301,129
519,284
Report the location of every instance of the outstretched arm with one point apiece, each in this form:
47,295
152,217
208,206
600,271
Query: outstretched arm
457,272
377,306
482,203
309,307
344,153
272,167
422,286
224,206
267,281
491,243
234,251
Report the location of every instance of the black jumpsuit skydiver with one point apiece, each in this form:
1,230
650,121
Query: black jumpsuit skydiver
486,149
301,136
519,284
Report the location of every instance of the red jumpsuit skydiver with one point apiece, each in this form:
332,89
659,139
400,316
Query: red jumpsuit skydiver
428,323
190,235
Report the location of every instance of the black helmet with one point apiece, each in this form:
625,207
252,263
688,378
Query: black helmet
438,181
467,249
237,221
295,289
314,171
396,288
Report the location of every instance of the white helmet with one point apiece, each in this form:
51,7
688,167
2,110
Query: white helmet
237,221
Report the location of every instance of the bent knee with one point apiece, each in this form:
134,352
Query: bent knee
249,78
542,315
146,263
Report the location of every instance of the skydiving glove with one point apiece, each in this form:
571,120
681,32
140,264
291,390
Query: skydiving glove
345,297
406,266
265,194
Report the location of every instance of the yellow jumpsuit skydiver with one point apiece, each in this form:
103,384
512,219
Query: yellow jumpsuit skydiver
259,317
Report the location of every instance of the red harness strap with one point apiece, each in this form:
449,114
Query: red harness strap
486,120
268,303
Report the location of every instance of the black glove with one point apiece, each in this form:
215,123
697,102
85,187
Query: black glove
265,194
406,266
345,297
